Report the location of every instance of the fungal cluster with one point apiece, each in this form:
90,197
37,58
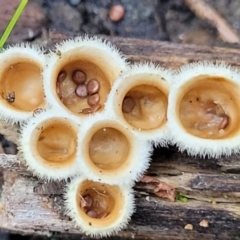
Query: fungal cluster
87,115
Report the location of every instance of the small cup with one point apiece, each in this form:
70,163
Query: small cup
21,86
48,142
139,98
99,209
204,110
82,60
110,152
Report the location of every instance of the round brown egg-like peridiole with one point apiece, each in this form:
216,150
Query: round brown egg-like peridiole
139,97
48,143
205,105
80,74
99,209
21,85
111,153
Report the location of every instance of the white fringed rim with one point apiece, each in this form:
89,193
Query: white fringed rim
154,77
96,158
32,135
11,57
97,51
93,227
184,140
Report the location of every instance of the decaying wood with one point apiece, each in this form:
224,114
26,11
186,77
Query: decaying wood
211,186
169,55
27,211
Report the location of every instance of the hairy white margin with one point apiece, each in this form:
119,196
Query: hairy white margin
185,141
28,151
9,56
139,154
158,136
102,47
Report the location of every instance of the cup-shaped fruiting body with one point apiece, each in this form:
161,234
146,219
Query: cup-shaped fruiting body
99,209
48,143
80,74
204,109
110,152
21,84
139,98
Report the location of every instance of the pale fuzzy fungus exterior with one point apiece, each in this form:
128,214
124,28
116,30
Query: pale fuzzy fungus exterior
120,207
96,57
204,110
110,152
21,83
146,87
48,142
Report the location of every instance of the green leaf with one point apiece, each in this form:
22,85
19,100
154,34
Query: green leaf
181,197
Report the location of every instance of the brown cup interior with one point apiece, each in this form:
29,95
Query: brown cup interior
108,148
208,107
67,88
21,85
143,102
57,143
98,204
149,110
97,65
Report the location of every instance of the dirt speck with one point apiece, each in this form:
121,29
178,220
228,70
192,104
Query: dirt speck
188,227
203,223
